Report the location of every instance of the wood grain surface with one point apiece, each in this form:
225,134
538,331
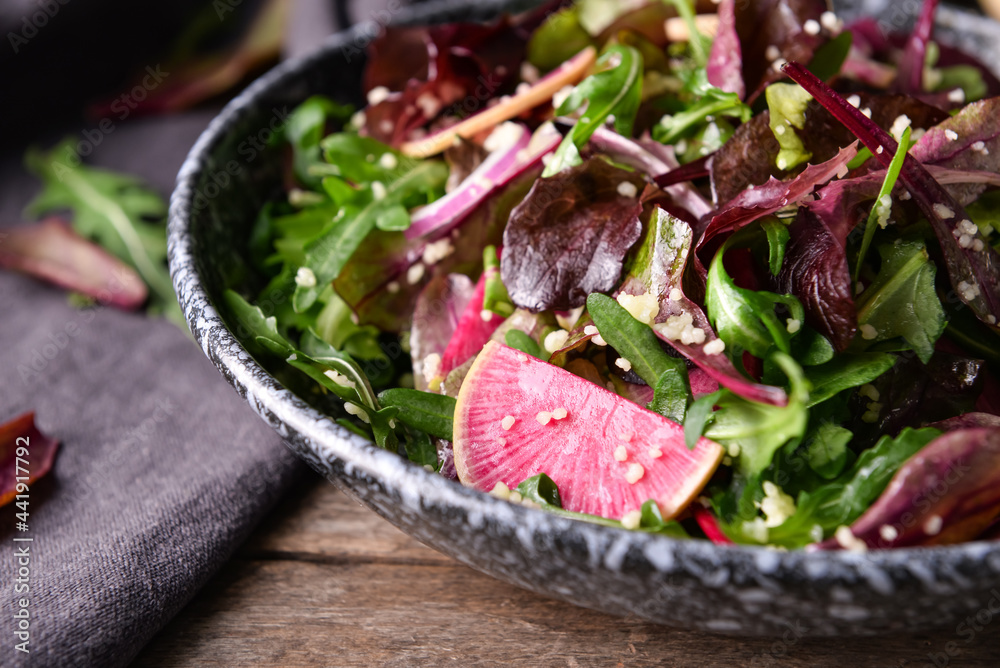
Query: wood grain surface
326,582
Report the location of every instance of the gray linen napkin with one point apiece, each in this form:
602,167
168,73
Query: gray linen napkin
163,470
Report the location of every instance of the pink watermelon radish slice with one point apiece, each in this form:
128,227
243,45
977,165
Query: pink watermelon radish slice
518,416
472,331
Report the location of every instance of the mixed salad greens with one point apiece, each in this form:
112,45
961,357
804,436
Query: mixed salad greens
728,275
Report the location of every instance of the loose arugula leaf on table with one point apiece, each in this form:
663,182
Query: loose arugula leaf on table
746,319
616,89
542,491
901,301
429,412
116,210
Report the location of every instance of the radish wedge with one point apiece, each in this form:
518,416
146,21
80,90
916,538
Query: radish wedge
510,426
566,74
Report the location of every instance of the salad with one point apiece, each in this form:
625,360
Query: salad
729,276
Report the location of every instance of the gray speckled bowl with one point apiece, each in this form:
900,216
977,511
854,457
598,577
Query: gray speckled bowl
695,584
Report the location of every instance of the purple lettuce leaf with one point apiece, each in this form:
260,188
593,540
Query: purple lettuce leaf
462,64
910,77
725,61
968,141
777,23
767,198
52,251
439,307
569,236
748,158
973,265
913,511
658,268
968,421
815,270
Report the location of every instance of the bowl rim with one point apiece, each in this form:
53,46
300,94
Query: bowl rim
302,425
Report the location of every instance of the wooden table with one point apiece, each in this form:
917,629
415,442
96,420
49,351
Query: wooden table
326,582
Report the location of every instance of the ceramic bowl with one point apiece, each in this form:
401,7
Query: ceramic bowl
687,583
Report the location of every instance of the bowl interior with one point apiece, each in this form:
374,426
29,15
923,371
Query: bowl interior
234,170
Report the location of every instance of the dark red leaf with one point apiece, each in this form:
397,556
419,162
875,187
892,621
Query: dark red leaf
569,236
725,62
815,270
973,266
910,78
52,251
21,432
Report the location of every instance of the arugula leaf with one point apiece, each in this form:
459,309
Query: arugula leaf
252,325
827,450
787,104
515,338
846,498
420,449
845,371
883,203
327,254
707,100
426,411
700,44
901,301
699,414
542,491
113,209
616,89
633,340
829,58
746,319
759,430
558,39
305,128
672,392
777,240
